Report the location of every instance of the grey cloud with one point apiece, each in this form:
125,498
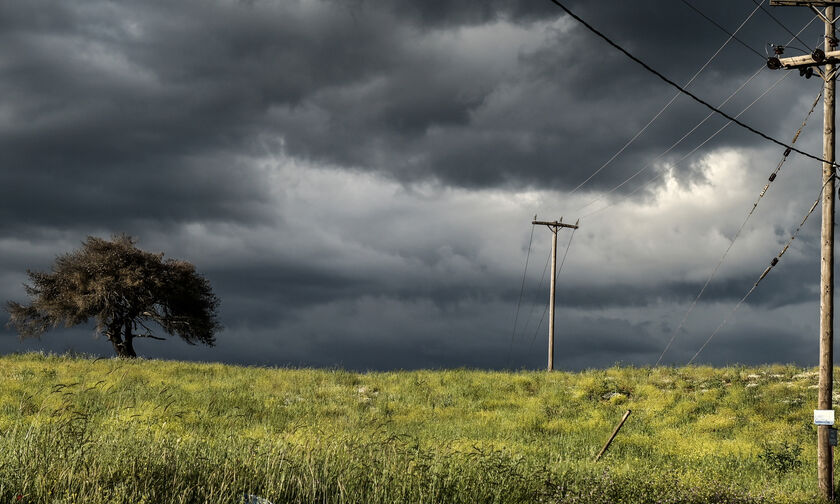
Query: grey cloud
103,91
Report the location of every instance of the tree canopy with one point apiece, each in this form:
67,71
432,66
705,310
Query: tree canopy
127,291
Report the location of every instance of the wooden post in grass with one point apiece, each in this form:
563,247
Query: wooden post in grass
614,434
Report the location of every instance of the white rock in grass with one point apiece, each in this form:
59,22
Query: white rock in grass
253,499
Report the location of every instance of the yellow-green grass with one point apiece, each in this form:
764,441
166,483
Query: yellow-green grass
75,429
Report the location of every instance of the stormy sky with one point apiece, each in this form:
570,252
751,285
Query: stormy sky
357,178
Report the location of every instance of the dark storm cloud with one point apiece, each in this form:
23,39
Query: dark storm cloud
160,95
758,346
442,13
473,129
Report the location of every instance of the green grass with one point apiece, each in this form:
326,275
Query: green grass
97,431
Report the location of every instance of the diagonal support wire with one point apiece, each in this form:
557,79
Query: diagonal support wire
773,263
738,232
667,105
521,292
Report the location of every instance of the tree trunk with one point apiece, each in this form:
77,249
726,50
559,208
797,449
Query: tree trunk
128,342
123,344
123,349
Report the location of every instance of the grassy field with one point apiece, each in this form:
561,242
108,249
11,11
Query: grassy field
96,431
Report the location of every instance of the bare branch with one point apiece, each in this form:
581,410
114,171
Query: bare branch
149,335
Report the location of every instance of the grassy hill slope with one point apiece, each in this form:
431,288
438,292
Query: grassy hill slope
96,431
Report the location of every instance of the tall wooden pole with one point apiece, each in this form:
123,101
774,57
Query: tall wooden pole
829,57
551,298
824,454
554,227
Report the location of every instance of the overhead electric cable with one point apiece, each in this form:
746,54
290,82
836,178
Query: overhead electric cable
669,149
785,28
559,269
521,292
738,232
686,156
685,91
539,287
724,30
650,164
773,263
665,107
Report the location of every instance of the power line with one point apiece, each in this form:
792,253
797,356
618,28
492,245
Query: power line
773,263
650,164
785,28
724,30
521,292
738,232
669,149
685,91
686,156
539,287
665,107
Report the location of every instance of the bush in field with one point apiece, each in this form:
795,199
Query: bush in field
781,457
125,290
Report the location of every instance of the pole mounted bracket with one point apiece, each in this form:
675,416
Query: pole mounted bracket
813,4
816,58
807,3
556,224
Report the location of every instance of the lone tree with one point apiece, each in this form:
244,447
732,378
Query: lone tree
125,289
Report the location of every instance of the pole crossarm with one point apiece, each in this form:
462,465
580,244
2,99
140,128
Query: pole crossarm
807,3
817,58
555,224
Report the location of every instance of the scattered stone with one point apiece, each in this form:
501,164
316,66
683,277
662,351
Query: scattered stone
292,400
254,499
618,398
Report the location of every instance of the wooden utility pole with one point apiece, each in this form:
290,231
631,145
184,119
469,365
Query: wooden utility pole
826,384
828,58
554,227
